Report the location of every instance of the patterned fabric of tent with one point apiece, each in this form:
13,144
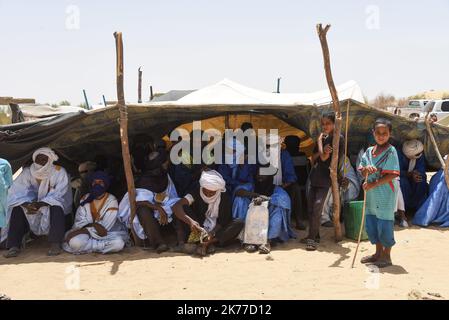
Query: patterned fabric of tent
81,136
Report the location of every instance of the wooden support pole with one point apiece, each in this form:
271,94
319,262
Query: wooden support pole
443,163
139,88
336,137
17,115
123,109
432,139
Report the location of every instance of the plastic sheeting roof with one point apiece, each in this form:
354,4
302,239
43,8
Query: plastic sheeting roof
230,92
44,110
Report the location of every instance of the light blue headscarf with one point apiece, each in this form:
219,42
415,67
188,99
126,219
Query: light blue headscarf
5,184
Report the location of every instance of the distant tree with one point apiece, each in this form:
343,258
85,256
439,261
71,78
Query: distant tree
65,103
54,105
4,119
402,102
382,101
82,105
366,100
417,96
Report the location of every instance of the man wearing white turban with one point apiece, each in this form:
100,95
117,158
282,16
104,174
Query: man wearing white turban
37,202
207,211
413,181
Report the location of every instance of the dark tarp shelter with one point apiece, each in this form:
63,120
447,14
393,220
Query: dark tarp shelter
81,136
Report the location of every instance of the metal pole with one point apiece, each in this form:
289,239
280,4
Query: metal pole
85,100
139,88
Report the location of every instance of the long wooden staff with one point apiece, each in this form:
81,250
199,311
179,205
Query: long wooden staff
123,110
362,224
336,138
346,138
446,171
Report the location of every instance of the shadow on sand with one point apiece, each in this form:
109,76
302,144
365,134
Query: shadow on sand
35,252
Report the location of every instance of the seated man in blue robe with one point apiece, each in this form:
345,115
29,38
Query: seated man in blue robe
435,210
279,208
413,181
286,176
235,171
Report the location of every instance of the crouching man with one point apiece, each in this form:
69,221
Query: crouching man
209,216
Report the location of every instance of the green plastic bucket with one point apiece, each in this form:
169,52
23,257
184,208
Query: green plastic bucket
352,213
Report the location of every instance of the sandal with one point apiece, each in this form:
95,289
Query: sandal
162,248
250,248
304,240
369,259
55,250
265,248
179,248
12,252
201,251
311,245
189,248
211,249
382,264
328,224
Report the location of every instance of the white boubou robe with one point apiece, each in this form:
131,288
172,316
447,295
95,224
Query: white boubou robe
25,188
171,197
106,215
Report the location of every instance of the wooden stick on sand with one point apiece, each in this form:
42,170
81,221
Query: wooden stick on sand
362,224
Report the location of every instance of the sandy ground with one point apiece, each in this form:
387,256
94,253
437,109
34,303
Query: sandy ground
420,256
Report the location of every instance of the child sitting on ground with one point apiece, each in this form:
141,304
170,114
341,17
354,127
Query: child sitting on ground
381,164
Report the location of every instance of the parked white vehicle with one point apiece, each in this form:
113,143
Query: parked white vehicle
420,104
438,107
414,108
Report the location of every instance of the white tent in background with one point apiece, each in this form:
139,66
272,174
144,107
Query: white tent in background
229,92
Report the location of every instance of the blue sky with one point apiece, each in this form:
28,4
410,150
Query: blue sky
402,50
